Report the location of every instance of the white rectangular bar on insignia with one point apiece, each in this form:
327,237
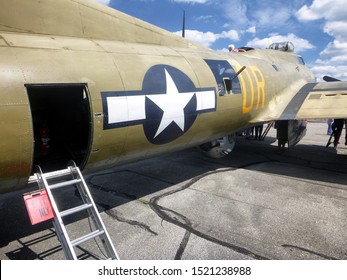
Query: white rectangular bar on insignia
136,107
117,109
206,100
125,108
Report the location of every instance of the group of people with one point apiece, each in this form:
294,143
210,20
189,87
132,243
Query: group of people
335,127
255,131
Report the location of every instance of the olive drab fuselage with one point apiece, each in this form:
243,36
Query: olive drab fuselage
112,98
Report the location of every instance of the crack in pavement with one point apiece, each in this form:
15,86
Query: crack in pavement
114,214
180,220
309,251
162,212
187,225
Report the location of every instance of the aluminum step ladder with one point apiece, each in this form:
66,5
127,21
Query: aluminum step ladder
97,228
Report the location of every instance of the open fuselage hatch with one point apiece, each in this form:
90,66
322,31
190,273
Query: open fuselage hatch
61,116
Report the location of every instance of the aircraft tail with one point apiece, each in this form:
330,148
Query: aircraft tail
83,19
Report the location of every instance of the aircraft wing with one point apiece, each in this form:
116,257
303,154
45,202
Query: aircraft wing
311,101
318,101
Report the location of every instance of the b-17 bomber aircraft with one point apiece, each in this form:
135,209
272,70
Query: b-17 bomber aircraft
81,81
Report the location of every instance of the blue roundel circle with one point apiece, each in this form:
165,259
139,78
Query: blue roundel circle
170,104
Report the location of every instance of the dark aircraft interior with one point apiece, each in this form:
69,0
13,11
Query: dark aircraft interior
61,124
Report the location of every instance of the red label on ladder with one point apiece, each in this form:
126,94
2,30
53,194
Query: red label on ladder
38,206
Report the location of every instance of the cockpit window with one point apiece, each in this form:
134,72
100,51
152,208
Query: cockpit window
282,46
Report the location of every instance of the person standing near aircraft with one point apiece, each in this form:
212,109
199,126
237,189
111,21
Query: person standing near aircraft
258,132
330,123
282,133
337,129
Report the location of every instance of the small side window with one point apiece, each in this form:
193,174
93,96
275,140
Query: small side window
224,74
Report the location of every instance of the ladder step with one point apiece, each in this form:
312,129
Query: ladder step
50,175
87,237
64,184
75,209
57,173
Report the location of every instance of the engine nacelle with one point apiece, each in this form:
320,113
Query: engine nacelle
219,147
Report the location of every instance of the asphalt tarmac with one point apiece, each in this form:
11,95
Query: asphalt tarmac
256,203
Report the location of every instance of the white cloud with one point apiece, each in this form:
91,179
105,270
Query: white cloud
300,45
333,59
203,18
338,29
208,19
306,14
338,72
335,52
267,16
105,2
208,38
251,30
263,14
236,11
204,38
328,9
232,35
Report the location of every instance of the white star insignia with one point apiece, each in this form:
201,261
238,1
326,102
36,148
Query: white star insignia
172,103
128,108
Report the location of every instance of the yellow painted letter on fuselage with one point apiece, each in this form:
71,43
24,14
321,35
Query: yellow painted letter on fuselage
253,95
259,80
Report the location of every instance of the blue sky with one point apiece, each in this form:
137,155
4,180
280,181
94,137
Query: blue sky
318,28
